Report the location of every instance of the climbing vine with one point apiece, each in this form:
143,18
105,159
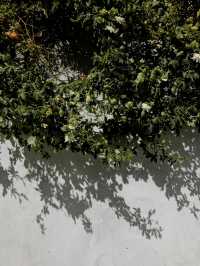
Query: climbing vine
106,77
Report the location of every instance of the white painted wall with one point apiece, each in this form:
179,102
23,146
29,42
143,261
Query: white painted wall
113,241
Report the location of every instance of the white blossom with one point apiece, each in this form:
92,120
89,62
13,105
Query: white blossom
146,107
97,129
196,57
120,20
111,29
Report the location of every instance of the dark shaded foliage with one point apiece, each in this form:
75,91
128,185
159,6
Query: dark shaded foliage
132,74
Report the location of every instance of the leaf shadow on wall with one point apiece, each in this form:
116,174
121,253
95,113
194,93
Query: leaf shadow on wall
71,182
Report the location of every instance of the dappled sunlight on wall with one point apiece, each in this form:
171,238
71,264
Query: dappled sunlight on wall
72,182
114,205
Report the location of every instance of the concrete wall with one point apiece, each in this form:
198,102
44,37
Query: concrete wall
70,210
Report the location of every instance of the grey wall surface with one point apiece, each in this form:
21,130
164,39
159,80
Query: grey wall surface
88,210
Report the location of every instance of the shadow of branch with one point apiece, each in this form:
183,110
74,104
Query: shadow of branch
72,182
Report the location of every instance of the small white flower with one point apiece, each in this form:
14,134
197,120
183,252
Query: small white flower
139,140
111,29
31,140
87,116
44,125
146,107
117,151
100,97
97,129
66,138
120,20
109,116
196,57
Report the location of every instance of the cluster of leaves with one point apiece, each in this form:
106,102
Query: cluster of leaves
138,74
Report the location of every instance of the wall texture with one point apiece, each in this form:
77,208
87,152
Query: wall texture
70,210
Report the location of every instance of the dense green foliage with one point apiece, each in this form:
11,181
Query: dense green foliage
135,74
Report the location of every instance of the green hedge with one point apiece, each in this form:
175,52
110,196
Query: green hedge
134,68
